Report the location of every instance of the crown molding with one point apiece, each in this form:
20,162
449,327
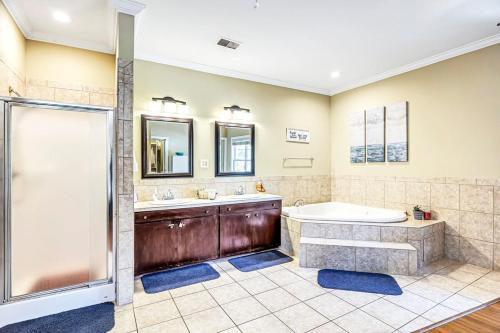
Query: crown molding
466,48
18,17
228,72
129,7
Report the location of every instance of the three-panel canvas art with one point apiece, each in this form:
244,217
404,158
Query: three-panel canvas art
374,129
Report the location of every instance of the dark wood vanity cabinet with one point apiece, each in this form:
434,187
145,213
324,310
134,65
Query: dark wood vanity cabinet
176,237
169,238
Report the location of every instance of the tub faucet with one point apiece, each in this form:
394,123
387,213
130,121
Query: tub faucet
299,202
240,190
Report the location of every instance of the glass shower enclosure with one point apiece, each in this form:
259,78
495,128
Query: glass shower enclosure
57,198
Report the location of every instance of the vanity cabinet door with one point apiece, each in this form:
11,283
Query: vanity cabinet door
235,233
265,229
155,246
198,239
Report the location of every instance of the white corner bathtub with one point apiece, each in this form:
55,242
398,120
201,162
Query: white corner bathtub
344,212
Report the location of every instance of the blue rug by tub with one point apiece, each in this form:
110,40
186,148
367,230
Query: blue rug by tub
259,260
358,281
178,277
98,318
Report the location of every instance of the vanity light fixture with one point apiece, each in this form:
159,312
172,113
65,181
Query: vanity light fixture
237,113
169,105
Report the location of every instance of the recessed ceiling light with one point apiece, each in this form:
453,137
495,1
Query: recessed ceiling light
335,74
60,16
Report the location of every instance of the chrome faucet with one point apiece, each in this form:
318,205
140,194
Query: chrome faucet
169,195
240,190
299,202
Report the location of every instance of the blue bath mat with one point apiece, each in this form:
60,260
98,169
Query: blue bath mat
259,260
98,318
178,277
358,281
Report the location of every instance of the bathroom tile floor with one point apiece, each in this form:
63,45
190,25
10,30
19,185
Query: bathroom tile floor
287,298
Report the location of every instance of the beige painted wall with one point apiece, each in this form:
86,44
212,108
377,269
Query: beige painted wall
273,110
454,119
12,54
52,62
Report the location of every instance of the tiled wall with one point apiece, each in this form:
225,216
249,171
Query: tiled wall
310,188
69,92
124,184
9,77
470,207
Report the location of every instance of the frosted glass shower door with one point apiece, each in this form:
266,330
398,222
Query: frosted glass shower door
59,210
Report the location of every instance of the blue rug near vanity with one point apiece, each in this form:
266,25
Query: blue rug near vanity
358,281
98,318
261,260
178,277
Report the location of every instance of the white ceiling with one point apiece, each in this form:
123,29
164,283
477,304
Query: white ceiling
292,43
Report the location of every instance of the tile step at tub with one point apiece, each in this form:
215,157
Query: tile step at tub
360,256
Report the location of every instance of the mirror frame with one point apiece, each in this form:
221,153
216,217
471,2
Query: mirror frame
144,121
217,149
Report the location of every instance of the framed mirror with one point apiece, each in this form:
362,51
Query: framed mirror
234,149
167,147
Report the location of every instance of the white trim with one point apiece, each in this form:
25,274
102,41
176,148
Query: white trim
470,47
228,73
129,7
18,17
44,306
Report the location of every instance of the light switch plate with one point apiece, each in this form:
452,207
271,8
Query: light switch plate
204,164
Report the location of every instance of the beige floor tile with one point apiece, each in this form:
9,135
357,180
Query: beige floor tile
463,273
427,290
460,303
330,306
232,330
221,281
389,313
301,318
361,322
155,313
194,288
271,269
357,299
489,283
258,285
208,321
142,298
404,280
437,265
304,290
266,324
124,321
126,307
438,313
171,326
328,328
244,310
478,294
283,277
240,276
195,302
444,282
415,325
228,293
276,299
412,302
305,273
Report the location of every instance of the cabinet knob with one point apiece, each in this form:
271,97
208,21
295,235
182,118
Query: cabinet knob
247,216
145,217
257,215
207,211
229,209
171,225
274,205
181,225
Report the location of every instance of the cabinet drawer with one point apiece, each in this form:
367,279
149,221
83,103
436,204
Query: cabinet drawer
250,207
181,213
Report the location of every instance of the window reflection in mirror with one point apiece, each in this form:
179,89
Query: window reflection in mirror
235,149
167,147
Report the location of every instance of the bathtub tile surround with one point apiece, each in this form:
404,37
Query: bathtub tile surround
316,310
310,188
470,208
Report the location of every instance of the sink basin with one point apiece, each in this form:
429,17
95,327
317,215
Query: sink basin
171,202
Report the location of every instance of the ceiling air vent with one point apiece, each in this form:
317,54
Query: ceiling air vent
228,43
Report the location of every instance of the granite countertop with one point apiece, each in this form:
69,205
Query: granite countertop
195,202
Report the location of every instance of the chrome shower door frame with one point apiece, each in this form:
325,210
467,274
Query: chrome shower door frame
6,104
